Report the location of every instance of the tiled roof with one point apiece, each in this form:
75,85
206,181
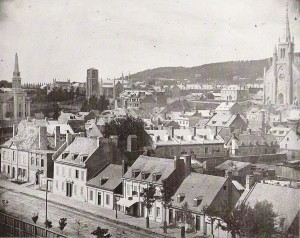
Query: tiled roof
113,173
151,165
285,200
232,165
199,185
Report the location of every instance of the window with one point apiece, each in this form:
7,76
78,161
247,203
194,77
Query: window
158,212
81,191
75,189
37,162
77,173
224,187
107,199
91,195
32,161
42,162
82,175
150,212
62,186
206,150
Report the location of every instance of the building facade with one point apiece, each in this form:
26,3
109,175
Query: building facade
92,83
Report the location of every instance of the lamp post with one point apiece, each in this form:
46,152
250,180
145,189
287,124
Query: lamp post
46,215
116,206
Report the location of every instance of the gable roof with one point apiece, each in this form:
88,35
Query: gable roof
151,165
223,120
199,185
226,106
285,200
113,173
95,132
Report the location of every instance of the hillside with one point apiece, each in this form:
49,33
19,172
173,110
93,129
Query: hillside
222,72
216,72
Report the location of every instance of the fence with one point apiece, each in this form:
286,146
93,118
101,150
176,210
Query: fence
13,227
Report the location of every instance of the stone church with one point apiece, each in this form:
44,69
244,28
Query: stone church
282,80
14,104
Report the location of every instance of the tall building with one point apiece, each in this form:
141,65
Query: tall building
92,84
282,80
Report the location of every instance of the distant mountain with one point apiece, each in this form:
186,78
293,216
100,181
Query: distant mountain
222,72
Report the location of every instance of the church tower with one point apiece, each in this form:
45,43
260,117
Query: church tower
281,81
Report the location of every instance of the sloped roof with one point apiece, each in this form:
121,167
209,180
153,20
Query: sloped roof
226,106
151,165
285,200
232,165
113,173
63,129
95,132
199,185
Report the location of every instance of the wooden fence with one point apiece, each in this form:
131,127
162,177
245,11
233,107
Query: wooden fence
13,227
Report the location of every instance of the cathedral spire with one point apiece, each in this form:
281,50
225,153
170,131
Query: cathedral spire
287,25
275,50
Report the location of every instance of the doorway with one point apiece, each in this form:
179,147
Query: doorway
99,198
69,189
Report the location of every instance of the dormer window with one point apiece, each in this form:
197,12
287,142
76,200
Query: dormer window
214,122
145,175
156,177
197,201
135,173
64,155
75,156
83,158
180,197
103,180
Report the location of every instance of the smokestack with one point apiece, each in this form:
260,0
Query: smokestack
249,181
132,143
43,138
124,168
14,130
56,136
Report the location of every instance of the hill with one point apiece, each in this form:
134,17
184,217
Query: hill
215,72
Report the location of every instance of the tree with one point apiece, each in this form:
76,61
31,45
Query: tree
94,103
187,217
246,221
35,217
101,233
62,223
166,199
79,226
48,223
123,127
148,200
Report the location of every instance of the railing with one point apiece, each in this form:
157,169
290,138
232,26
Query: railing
13,227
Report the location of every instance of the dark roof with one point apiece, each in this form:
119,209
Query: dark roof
113,173
95,132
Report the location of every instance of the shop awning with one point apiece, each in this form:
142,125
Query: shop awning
126,202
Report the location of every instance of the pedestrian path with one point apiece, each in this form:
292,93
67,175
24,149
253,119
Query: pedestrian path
134,222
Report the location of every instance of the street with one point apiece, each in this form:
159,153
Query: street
23,206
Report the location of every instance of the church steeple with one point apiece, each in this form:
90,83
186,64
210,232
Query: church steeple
287,25
16,80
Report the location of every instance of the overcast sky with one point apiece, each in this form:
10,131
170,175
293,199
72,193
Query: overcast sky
61,39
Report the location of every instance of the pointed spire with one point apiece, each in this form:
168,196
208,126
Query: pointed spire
287,25
16,70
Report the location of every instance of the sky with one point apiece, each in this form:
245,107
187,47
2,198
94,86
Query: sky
63,38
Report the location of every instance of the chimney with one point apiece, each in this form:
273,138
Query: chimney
187,164
132,143
229,185
14,130
56,136
171,131
124,167
194,131
81,134
69,138
43,137
216,132
249,181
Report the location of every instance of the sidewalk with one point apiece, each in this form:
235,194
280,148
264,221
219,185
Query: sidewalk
135,223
